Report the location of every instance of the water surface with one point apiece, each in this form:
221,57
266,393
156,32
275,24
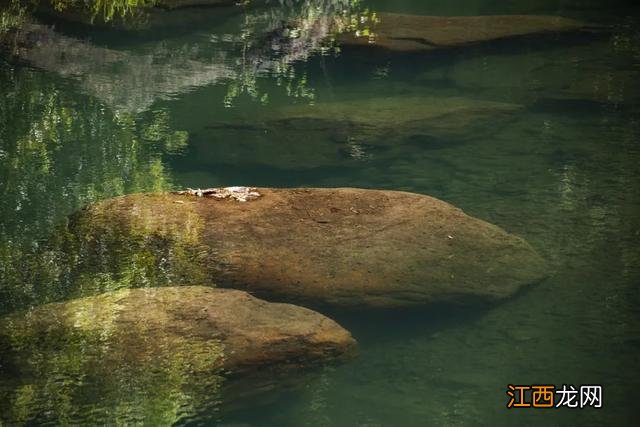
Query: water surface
184,106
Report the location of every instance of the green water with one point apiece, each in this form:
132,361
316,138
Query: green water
185,107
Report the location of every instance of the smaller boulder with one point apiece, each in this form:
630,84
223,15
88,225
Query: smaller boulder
152,355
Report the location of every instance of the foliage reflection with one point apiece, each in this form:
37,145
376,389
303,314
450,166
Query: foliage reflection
57,154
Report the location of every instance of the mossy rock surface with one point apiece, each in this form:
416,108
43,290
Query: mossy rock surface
152,355
343,246
414,33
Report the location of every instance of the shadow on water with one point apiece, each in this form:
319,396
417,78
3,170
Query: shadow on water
365,56
575,107
373,325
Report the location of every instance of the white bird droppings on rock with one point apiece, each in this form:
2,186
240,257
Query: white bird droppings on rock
241,194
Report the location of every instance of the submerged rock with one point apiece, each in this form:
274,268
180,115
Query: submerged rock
151,355
329,133
382,118
414,33
348,247
579,73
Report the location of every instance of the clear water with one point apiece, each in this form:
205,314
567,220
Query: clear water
563,173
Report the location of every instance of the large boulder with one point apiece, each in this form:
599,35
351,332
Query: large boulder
345,246
151,355
414,33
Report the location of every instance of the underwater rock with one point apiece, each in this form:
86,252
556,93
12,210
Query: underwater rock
578,73
328,133
345,246
152,353
587,83
353,130
392,117
413,33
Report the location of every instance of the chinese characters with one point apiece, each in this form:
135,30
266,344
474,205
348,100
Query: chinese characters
548,396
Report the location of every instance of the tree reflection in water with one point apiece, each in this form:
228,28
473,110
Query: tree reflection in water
269,41
57,154
60,151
